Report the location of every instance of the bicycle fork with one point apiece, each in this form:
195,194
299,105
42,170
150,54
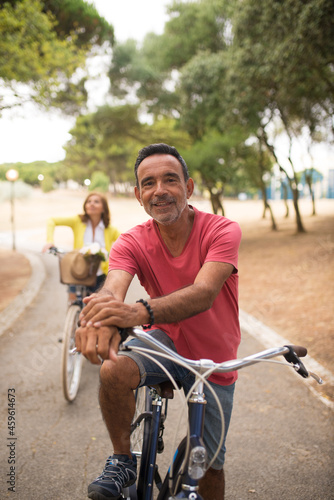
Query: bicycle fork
196,455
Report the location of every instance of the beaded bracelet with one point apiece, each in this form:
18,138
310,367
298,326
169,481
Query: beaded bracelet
150,312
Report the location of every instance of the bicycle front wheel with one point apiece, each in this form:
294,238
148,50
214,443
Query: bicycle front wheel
140,421
71,363
173,479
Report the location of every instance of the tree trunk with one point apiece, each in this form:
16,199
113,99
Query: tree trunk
216,202
295,194
263,188
285,197
308,178
267,206
292,182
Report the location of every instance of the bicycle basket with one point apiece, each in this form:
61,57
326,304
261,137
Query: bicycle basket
77,269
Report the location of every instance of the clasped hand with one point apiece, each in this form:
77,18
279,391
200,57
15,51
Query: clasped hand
97,336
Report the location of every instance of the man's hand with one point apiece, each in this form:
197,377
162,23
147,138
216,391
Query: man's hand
97,343
105,310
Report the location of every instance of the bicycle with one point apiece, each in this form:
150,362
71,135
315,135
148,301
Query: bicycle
71,362
189,463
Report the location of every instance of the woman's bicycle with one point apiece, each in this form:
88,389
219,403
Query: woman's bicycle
189,463
71,362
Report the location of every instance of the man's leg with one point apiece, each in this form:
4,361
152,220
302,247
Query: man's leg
212,486
118,380
117,405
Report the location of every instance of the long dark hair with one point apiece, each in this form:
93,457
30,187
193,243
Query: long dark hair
106,213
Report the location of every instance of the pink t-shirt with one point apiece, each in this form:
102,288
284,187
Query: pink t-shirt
213,334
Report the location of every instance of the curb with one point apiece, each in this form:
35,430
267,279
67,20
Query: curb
269,338
9,315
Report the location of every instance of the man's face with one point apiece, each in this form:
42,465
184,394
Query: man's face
163,192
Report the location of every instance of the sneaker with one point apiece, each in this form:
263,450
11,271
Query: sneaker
119,472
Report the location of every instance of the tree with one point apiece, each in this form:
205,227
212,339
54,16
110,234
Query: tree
283,61
219,161
99,182
104,141
109,139
42,45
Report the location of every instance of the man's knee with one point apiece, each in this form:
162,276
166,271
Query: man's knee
124,372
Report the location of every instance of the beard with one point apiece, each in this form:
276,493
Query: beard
166,210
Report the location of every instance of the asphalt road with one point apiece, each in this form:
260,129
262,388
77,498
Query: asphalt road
280,443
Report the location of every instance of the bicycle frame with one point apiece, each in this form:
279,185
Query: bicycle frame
196,413
148,469
149,453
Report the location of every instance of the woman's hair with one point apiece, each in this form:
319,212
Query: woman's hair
105,214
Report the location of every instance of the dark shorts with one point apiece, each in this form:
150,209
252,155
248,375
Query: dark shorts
151,374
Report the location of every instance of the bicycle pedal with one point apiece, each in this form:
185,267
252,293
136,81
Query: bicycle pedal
130,492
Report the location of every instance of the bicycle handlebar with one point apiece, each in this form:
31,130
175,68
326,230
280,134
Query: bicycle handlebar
291,353
55,250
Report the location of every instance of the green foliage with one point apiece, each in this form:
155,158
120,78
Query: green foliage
29,172
109,140
81,19
211,83
284,52
222,161
194,27
200,89
29,48
39,48
47,184
99,182
104,141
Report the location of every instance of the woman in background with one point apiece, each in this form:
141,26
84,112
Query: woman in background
93,226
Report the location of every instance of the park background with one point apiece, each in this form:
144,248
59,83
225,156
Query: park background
243,89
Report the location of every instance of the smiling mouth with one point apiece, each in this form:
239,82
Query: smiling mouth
165,204
162,203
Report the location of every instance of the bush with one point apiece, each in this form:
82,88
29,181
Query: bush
99,182
47,184
21,190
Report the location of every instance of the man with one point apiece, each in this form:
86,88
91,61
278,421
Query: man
187,262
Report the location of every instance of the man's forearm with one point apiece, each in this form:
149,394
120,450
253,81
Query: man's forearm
179,305
193,299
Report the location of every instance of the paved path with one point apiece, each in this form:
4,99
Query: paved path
280,443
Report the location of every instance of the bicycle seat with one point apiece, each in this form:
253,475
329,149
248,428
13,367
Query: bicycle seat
166,389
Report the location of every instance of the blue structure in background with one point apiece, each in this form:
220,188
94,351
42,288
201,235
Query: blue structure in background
323,188
330,190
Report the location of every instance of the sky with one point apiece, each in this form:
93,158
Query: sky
28,135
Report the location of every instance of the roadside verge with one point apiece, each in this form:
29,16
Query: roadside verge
10,314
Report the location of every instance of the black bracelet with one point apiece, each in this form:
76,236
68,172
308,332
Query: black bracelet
150,312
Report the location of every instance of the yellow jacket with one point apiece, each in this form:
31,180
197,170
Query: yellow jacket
78,227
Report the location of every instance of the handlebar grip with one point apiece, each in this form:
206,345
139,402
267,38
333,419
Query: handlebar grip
124,333
293,357
299,350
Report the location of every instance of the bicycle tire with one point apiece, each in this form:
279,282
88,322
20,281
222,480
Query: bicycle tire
140,434
142,416
71,363
166,491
